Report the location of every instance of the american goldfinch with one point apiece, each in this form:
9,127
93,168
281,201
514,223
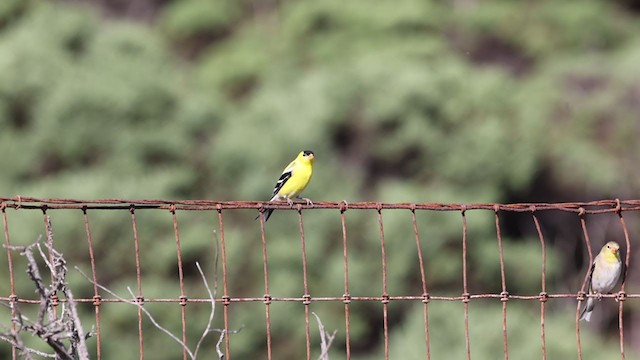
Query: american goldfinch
294,179
603,276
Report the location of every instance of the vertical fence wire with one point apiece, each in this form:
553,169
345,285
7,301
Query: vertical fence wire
465,288
225,285
53,311
97,300
543,293
622,296
306,298
267,295
423,279
12,296
581,294
183,297
140,298
346,297
504,296
385,294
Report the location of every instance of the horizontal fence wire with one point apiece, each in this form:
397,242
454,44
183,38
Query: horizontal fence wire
580,209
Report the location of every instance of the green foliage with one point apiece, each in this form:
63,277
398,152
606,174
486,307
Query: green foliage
192,18
404,101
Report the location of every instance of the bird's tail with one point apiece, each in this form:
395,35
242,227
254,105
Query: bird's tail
588,309
267,215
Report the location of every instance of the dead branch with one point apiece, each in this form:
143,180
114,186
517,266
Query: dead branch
208,329
325,339
53,329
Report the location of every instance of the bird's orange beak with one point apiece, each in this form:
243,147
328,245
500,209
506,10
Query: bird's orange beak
615,251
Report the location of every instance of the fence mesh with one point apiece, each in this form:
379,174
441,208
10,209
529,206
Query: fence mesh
220,210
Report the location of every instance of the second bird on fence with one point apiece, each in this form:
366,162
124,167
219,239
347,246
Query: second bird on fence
294,179
603,275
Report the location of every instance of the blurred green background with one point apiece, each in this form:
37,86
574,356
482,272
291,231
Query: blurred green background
402,101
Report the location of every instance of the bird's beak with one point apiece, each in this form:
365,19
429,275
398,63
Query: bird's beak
311,156
615,251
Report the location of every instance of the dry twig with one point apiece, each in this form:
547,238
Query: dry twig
55,329
325,339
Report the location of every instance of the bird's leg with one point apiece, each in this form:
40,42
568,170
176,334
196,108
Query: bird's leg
290,202
599,296
308,201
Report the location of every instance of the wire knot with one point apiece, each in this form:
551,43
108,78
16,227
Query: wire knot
183,300
621,296
132,208
346,298
425,298
379,207
618,207
267,299
463,209
343,206
3,206
84,209
140,300
496,208
54,300
385,298
13,298
299,208
543,296
226,300
172,208
581,211
504,296
44,208
466,297
97,300
219,207
306,299
533,208
581,296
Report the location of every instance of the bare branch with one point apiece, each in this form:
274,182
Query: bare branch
218,351
138,305
54,330
325,339
78,334
207,330
17,343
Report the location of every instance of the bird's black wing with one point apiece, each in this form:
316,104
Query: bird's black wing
593,266
283,179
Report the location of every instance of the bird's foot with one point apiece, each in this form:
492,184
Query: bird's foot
599,296
308,201
290,202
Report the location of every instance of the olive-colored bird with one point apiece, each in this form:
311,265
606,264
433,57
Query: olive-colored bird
603,276
294,179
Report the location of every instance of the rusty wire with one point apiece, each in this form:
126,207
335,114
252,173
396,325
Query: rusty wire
581,209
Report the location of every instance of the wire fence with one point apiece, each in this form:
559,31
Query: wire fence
221,208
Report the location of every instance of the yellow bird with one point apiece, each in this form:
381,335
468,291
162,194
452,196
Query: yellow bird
603,276
293,181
